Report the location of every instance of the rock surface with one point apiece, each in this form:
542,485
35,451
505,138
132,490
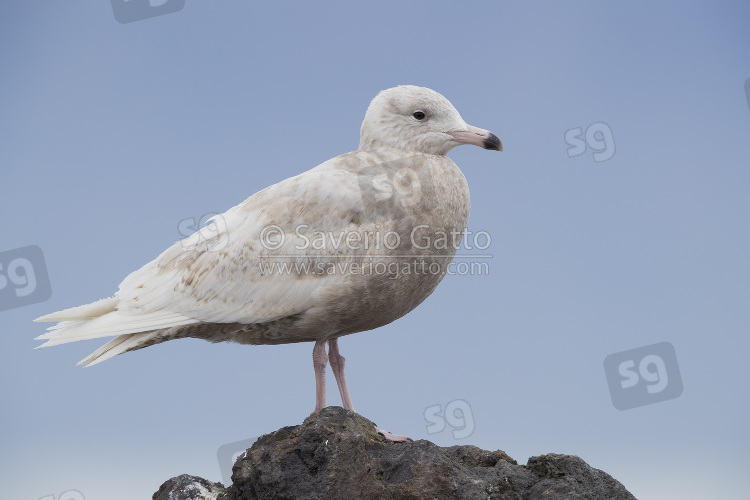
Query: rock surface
186,487
336,454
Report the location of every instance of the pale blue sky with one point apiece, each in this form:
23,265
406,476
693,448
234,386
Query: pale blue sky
111,134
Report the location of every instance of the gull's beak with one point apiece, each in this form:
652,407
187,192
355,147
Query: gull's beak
478,137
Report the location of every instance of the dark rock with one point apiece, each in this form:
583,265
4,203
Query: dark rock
186,487
336,454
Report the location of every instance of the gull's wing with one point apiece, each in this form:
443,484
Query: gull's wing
239,268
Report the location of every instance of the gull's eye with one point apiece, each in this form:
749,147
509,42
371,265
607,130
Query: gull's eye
419,115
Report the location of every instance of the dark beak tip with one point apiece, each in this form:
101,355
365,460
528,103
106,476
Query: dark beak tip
493,142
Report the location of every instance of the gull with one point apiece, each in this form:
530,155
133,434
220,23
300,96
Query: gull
348,246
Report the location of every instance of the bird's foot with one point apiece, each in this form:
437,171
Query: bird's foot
396,438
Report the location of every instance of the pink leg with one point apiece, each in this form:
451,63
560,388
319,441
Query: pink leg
337,365
319,365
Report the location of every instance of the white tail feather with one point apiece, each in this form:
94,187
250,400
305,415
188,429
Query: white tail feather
87,311
102,319
116,346
112,324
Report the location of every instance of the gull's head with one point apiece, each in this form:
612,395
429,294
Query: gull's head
419,119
